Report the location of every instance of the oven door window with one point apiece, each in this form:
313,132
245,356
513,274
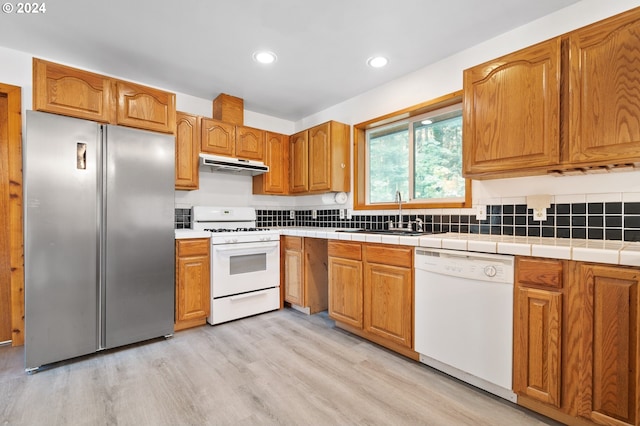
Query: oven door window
243,267
247,263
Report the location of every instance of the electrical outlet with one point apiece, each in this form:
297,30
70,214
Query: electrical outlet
342,213
540,214
292,214
481,212
349,214
314,214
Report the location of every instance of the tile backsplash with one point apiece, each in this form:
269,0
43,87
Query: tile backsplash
596,221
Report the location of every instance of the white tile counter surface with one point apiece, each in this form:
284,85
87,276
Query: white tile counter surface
191,233
600,251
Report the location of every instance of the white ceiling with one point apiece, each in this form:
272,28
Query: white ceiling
204,47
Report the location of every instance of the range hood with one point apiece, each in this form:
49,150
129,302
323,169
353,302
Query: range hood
218,163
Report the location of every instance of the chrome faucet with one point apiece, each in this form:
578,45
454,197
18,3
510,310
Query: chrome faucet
399,200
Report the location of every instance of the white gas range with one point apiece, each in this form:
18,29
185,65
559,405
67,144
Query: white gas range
245,262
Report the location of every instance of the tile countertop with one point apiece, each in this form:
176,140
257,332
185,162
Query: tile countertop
600,251
190,233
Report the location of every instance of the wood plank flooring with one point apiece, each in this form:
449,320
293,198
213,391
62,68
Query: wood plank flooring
282,367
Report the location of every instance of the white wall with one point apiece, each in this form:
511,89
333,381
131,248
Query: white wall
428,83
446,76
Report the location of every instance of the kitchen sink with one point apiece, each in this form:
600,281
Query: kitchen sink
408,232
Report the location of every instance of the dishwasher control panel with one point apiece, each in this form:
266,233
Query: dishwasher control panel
472,265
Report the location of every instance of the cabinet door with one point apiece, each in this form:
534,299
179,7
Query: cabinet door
145,108
603,92
388,294
537,344
293,271
299,162
192,282
345,291
610,367
276,156
69,91
249,143
511,111
187,149
320,157
218,137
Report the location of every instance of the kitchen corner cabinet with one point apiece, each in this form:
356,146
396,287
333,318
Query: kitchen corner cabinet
276,156
187,151
192,282
69,91
319,159
568,105
371,292
305,273
230,140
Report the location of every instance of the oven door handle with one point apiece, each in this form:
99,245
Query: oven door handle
247,248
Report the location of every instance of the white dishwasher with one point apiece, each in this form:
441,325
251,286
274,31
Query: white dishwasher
464,316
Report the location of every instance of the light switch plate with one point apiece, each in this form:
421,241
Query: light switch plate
481,212
314,214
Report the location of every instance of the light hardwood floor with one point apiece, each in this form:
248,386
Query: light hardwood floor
281,367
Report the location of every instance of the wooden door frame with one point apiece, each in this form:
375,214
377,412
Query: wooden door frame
16,245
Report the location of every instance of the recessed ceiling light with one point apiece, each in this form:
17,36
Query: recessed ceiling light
377,61
427,121
265,57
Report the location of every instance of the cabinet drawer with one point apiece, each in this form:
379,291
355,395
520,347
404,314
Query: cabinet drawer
388,255
539,272
345,250
192,247
292,243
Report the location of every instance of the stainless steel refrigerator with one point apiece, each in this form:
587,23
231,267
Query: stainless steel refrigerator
99,239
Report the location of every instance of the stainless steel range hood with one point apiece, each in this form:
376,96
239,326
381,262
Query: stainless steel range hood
218,163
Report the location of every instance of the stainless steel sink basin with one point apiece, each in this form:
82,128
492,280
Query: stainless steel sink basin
408,232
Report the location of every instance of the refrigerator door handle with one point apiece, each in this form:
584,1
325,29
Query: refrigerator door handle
81,156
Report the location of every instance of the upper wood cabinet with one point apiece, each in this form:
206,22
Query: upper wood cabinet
511,111
567,105
299,162
145,108
249,143
69,91
319,159
229,140
187,150
604,87
276,156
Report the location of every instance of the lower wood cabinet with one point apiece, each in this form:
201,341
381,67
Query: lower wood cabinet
610,348
305,273
577,341
371,292
192,282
